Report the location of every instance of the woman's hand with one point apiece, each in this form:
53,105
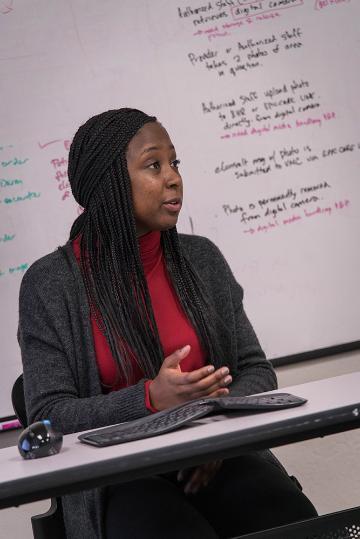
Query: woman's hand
199,477
172,386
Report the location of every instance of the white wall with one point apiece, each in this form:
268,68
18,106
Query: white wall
328,468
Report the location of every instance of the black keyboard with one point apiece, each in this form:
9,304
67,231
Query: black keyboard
269,402
158,423
173,418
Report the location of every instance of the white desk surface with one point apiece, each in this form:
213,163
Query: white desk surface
334,401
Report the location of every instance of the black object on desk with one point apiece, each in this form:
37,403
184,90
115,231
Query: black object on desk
39,440
173,418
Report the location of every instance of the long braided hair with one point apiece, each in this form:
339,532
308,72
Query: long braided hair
110,260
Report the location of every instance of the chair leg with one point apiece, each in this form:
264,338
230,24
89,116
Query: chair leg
50,524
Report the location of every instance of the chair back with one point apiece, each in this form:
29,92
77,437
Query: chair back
18,400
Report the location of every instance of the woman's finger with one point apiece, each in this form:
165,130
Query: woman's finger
187,378
194,482
220,392
201,476
219,378
221,384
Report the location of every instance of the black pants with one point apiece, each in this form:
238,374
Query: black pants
248,494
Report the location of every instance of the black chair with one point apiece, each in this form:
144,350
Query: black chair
50,524
340,525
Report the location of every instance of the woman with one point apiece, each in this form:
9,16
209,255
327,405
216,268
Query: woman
128,318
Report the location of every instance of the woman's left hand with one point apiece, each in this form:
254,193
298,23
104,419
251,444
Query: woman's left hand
199,477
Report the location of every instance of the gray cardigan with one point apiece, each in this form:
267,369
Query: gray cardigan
61,378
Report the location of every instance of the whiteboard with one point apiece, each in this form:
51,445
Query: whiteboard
262,102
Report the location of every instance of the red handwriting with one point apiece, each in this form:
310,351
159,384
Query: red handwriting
218,34
6,7
281,126
45,144
265,16
295,218
206,31
339,205
212,33
59,165
61,176
342,204
292,219
215,32
66,143
59,162
229,25
308,121
321,4
318,211
262,228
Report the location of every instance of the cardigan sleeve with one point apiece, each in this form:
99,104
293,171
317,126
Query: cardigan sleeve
253,373
52,385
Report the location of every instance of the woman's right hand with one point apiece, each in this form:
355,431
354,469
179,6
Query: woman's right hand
172,386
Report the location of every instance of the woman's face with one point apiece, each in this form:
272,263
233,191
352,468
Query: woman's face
155,180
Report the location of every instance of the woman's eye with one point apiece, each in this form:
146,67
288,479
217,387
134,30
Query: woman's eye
155,165
176,163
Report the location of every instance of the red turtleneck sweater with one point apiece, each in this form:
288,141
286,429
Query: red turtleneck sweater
174,328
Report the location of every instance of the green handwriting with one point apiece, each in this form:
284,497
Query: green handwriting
9,183
14,162
7,237
21,267
29,196
16,269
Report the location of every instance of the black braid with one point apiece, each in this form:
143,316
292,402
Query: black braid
192,295
110,258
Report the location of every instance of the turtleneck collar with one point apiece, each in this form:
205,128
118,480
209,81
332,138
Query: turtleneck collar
150,249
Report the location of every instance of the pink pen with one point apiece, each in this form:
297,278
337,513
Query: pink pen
8,425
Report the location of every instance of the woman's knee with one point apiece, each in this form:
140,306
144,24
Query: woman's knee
254,494
154,508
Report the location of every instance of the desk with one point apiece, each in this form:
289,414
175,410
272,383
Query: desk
333,406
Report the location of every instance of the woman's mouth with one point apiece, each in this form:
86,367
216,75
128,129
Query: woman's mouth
173,205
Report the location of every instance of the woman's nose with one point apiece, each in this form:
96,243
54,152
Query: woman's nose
172,177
